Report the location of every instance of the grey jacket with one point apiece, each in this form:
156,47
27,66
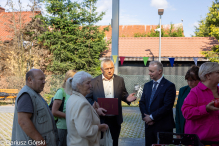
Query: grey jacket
41,118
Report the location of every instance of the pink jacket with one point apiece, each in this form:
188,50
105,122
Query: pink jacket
198,120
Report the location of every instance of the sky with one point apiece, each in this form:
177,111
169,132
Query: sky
145,12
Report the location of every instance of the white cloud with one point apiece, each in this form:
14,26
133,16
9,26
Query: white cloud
159,4
190,28
128,19
171,7
102,6
24,4
105,6
195,24
124,17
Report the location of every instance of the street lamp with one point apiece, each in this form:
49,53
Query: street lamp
150,53
160,12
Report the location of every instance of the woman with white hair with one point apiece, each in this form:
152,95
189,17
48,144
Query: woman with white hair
202,117
83,123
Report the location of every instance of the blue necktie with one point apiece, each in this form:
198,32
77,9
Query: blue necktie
152,94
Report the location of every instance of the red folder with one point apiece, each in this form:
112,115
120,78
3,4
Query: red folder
110,104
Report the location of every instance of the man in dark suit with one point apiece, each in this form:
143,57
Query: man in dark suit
156,104
109,85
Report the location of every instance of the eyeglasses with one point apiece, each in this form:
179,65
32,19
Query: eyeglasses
106,69
191,80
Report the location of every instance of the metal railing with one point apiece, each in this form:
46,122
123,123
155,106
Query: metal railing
54,82
131,81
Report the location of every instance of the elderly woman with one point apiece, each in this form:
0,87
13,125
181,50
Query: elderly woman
83,122
202,118
192,80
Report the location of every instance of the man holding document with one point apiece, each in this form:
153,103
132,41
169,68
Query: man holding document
111,87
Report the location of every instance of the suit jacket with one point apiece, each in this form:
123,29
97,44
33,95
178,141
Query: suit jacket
180,120
82,122
161,106
120,93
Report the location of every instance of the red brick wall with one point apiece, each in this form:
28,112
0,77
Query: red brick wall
130,30
2,9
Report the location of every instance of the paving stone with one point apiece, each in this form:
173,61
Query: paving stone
6,109
132,130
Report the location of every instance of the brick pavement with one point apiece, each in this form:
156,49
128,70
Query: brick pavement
6,109
132,132
131,142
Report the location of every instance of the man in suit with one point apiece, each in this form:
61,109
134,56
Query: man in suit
109,85
156,104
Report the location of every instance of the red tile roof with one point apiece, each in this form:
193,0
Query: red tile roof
6,22
130,30
178,47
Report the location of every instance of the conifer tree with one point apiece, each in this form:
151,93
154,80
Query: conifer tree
74,39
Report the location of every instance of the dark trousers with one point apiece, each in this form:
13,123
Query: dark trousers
151,135
62,137
111,121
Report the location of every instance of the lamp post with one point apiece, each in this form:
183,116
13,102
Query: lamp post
160,12
150,53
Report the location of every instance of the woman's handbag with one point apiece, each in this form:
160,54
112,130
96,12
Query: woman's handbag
107,139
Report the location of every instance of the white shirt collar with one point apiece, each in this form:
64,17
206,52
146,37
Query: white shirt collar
103,78
158,81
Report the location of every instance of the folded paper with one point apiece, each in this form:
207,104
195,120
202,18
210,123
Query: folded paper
171,61
114,58
145,60
195,60
122,59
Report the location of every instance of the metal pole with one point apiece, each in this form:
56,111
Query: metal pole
160,42
115,31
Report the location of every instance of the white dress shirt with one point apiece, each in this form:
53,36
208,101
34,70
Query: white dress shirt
108,87
158,82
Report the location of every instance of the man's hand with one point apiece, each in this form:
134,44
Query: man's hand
147,119
178,136
151,123
210,107
131,97
100,111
